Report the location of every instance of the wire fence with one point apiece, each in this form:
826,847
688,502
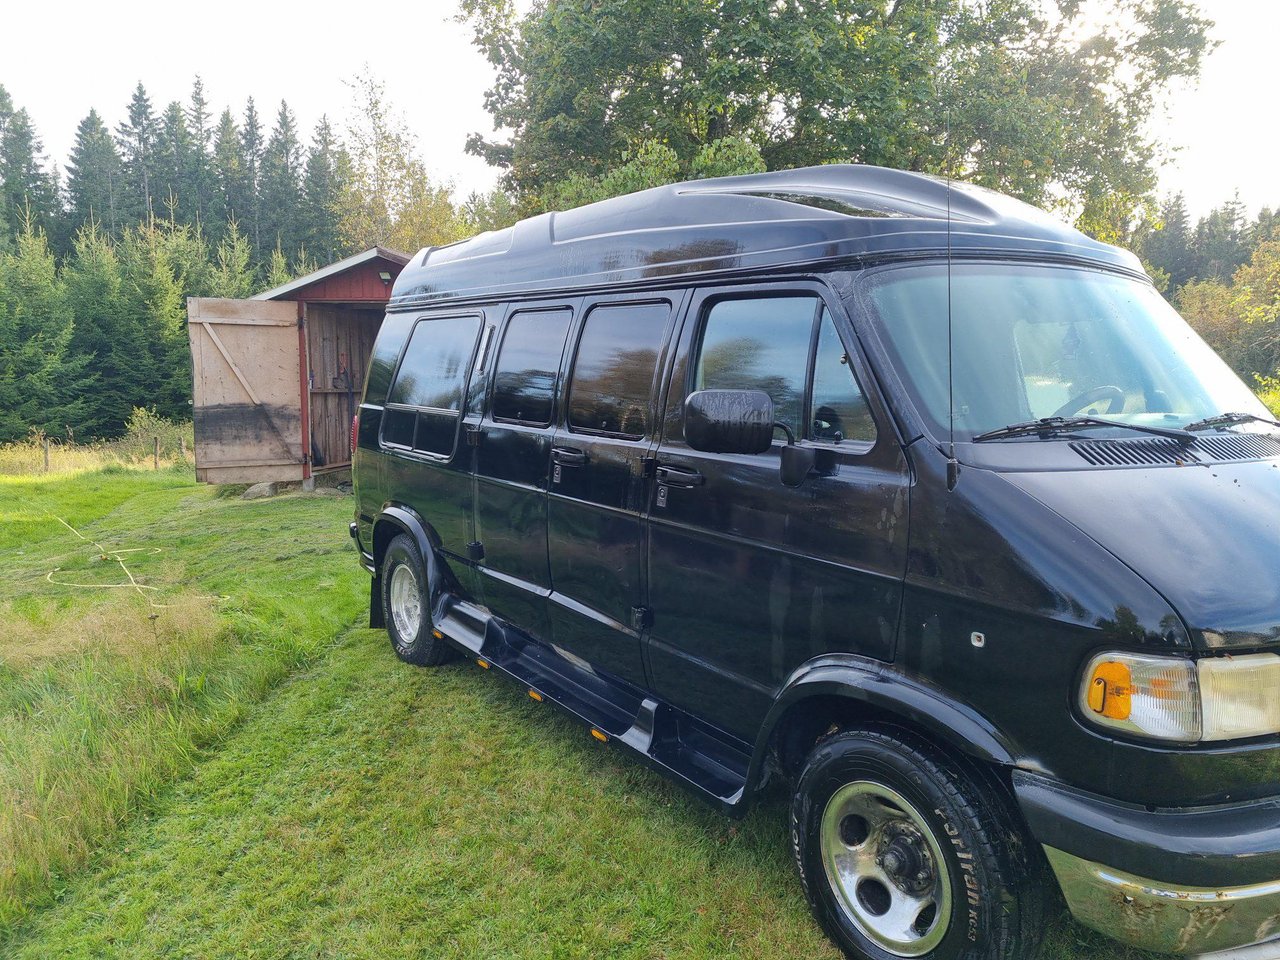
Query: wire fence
148,441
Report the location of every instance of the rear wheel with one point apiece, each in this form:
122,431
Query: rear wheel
906,852
406,609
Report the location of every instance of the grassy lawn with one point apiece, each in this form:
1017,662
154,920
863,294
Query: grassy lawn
359,808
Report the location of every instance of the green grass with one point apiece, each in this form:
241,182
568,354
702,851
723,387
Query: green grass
362,808
368,809
108,693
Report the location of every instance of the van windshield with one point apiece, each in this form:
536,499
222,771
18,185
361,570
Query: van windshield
1030,342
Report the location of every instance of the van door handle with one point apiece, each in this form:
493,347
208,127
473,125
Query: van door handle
569,456
680,477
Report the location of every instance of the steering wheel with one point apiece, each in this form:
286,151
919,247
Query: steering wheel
1096,395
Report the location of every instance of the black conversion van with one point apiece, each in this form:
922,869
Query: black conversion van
898,493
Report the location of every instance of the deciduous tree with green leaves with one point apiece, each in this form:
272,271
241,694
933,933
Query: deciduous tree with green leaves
1024,96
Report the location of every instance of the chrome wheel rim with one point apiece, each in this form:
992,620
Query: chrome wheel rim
406,602
886,868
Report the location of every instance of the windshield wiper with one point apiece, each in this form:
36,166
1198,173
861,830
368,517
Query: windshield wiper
1055,425
1226,419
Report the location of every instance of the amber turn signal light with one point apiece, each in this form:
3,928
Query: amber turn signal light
1111,690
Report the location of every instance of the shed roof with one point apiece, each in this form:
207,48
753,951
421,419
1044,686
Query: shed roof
283,291
789,218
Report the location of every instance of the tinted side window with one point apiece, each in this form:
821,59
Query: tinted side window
434,367
528,362
613,373
760,344
424,404
840,410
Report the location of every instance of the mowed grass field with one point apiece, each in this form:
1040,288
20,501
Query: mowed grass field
256,777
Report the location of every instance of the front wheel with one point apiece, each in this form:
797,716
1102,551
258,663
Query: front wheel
905,852
406,609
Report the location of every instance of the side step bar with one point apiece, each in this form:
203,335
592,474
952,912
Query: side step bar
694,754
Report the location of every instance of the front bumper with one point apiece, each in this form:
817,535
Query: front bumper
1173,881
1167,918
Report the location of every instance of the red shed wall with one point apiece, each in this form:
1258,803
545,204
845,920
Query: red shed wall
359,284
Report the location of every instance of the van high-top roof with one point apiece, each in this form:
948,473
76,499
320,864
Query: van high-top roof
784,220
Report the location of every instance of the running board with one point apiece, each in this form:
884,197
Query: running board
696,755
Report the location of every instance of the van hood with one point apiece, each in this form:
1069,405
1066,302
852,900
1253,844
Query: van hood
1207,537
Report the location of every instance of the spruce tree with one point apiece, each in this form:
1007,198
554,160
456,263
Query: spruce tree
28,191
154,303
40,382
278,272
169,187
106,335
93,175
248,204
228,168
327,170
1169,248
8,218
1219,242
232,274
137,140
281,191
198,177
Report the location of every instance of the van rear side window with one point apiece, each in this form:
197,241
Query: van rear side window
424,404
613,374
528,362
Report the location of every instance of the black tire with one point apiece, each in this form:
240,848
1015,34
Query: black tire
417,645
999,890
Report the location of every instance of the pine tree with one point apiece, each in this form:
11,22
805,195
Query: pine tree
137,140
172,161
248,205
27,190
327,171
93,175
199,178
281,190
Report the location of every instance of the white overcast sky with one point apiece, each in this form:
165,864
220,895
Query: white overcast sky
59,61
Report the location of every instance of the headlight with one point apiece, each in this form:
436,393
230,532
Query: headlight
1166,698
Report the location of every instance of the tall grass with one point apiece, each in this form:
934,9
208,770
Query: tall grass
108,690
135,447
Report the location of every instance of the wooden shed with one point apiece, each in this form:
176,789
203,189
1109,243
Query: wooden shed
277,378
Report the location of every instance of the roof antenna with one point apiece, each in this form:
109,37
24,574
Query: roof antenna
953,465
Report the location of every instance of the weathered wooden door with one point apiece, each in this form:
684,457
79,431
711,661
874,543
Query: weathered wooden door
247,390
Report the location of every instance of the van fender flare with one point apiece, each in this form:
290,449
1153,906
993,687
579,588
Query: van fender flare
888,693
407,520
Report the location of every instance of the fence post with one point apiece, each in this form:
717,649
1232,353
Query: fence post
155,451
46,454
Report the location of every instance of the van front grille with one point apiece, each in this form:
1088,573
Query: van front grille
1157,451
